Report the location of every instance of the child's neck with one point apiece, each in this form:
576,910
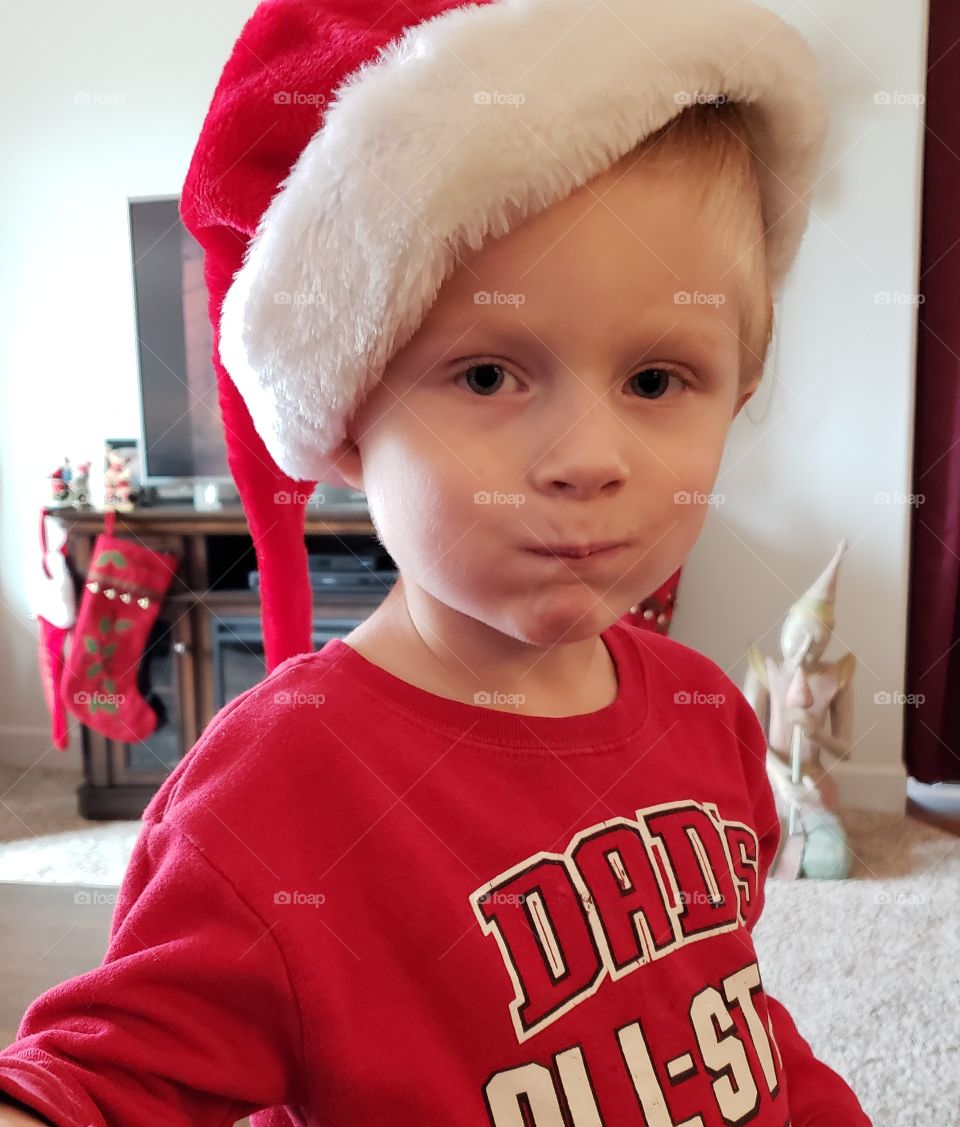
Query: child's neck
569,680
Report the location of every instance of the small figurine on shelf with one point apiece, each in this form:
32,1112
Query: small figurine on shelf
69,486
59,485
80,484
117,486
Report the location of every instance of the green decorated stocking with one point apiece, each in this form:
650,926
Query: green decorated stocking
121,599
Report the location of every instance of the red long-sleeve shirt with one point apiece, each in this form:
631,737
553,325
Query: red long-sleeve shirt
355,902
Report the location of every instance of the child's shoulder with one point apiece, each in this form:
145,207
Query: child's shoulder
678,676
666,659
262,740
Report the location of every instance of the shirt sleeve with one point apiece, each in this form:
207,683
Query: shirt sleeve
816,1094
190,1020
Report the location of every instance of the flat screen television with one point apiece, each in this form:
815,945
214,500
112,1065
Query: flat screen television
181,433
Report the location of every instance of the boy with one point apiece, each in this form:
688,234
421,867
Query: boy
494,857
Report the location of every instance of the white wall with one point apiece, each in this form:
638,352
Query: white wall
833,423
67,340
830,428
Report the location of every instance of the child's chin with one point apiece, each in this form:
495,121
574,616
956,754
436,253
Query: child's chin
576,620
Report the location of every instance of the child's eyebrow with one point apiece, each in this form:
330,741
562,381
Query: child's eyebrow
666,330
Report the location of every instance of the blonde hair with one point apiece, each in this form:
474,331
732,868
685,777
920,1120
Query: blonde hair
711,140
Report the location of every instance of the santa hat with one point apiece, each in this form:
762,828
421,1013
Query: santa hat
355,151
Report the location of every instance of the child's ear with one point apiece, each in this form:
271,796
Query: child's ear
744,396
347,461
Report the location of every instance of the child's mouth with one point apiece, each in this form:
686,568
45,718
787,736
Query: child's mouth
580,551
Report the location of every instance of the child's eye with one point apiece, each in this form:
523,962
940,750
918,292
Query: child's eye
484,382
653,382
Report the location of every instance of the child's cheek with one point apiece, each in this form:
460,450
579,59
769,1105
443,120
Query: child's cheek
698,464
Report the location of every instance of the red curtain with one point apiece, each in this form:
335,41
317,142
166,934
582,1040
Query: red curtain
932,729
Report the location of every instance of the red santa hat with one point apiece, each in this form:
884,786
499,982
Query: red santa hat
355,151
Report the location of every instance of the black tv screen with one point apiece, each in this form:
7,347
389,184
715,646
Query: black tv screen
181,429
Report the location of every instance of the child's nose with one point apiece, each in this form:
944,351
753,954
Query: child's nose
581,469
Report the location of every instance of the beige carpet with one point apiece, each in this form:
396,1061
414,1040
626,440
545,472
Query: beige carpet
44,839
869,967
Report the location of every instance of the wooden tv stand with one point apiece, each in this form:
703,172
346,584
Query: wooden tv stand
210,612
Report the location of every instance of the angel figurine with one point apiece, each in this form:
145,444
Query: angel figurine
805,706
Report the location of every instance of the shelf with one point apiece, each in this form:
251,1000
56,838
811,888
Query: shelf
243,596
183,520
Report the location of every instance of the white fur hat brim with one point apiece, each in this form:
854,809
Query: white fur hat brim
457,132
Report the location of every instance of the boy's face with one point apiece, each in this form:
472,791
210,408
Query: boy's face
552,411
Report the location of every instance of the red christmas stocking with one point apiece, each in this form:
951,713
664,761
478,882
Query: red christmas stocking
55,609
52,642
122,596
655,612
